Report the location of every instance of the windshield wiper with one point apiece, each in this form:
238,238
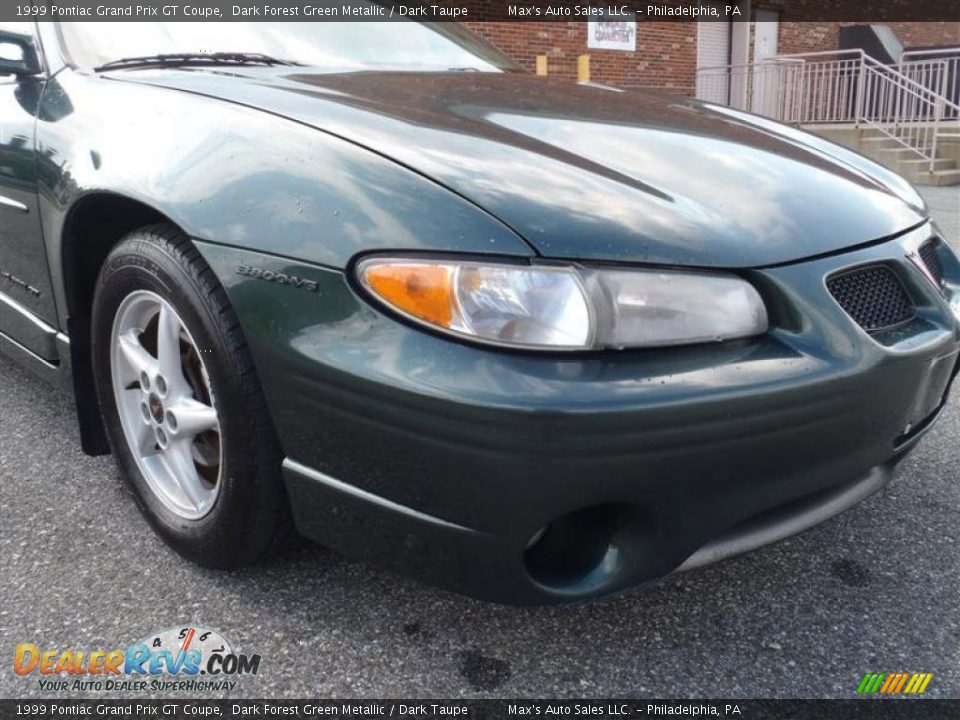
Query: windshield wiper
195,59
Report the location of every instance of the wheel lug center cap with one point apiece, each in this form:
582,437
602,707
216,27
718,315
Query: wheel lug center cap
156,408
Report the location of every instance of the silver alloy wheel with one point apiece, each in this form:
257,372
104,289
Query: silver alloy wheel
166,406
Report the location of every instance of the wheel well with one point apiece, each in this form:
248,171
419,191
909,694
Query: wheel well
95,224
92,228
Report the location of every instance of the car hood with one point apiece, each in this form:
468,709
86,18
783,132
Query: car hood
590,172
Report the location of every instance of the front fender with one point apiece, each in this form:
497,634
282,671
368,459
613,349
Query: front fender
241,177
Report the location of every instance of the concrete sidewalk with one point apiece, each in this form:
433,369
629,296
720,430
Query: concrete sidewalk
944,205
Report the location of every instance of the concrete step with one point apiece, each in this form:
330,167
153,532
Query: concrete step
946,177
938,177
889,142
879,141
949,148
889,157
919,164
896,154
889,152
886,147
915,169
872,132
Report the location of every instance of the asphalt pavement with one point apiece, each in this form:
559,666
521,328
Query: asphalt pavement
874,590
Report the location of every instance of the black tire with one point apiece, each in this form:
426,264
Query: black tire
250,518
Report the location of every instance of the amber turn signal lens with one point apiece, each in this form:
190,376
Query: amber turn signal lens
423,291
541,306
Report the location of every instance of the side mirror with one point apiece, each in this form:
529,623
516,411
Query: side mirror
18,54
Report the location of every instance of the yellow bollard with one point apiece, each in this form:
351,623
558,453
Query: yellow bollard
541,64
583,68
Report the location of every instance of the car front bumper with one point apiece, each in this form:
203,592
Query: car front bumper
445,460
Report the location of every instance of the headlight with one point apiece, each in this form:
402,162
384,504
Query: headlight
565,308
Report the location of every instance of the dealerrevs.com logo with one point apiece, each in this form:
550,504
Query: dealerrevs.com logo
186,658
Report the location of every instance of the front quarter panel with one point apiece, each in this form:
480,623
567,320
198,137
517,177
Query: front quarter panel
237,176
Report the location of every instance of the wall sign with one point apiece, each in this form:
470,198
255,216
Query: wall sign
612,35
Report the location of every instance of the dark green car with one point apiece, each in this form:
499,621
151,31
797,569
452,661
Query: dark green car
530,340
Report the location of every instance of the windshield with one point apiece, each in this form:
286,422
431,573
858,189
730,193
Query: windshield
335,45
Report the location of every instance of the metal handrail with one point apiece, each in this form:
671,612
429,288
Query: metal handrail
839,86
938,69
905,112
935,51
864,57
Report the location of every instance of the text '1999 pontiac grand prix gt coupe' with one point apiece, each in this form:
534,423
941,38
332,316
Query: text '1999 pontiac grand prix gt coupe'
530,340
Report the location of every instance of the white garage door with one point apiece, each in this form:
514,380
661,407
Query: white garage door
767,78
713,49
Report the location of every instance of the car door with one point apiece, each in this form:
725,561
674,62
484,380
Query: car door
27,311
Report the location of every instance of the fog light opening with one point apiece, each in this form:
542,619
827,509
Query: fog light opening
572,547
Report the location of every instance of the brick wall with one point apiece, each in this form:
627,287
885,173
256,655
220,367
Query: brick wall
798,37
666,56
